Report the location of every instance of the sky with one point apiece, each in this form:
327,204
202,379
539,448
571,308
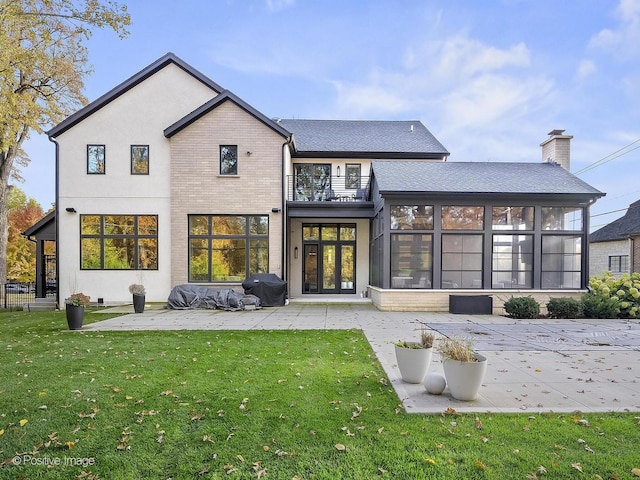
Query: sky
490,79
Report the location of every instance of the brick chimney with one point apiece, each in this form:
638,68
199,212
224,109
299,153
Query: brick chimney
557,149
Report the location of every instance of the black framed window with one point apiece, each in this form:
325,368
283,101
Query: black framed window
512,218
512,261
352,176
619,263
411,217
462,217
228,160
411,260
227,248
312,182
561,261
96,159
462,260
119,242
139,159
562,218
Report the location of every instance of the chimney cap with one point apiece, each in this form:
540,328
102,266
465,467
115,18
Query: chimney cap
555,132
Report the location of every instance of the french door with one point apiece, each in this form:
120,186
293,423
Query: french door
329,258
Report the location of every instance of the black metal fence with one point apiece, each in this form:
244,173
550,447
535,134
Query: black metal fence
13,294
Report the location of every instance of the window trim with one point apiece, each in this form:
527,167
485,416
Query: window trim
622,261
104,158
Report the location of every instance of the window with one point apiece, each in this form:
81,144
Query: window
139,159
411,260
119,242
512,218
411,217
227,248
96,159
562,218
512,261
462,261
352,176
561,261
228,160
619,263
462,218
312,182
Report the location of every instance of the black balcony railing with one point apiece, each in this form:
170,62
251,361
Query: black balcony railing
324,189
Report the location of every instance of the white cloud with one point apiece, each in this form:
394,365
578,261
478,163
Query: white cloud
624,40
586,68
275,5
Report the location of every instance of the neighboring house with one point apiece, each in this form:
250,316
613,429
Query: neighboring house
616,247
170,179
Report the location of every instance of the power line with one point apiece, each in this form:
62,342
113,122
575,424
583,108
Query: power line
610,157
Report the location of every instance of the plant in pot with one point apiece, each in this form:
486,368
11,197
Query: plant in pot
464,369
74,308
414,358
138,292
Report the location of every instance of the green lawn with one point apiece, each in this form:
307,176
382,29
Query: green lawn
258,404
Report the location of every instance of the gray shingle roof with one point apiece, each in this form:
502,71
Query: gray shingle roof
377,139
479,177
619,229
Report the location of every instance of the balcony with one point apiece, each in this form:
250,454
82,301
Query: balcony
325,196
322,189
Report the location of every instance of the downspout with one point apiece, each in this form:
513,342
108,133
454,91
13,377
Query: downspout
51,139
285,237
586,247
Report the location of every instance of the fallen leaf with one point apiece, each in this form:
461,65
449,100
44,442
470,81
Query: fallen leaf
577,466
430,460
340,447
635,472
480,465
23,422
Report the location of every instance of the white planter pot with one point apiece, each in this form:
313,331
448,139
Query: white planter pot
464,378
413,363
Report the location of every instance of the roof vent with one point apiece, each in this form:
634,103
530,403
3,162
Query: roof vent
411,127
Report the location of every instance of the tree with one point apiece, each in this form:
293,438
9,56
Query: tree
43,61
21,252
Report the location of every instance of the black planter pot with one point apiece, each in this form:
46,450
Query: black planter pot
75,316
138,303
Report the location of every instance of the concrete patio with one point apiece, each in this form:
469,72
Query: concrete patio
533,365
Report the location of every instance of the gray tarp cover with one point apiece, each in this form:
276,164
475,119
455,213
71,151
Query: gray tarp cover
184,297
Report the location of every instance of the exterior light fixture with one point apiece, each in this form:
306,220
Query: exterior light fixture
295,252
275,210
338,170
71,210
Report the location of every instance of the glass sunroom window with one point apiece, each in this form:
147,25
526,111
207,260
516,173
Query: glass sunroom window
462,261
512,261
411,260
562,218
561,261
411,217
460,217
512,218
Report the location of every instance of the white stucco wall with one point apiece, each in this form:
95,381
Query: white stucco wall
138,117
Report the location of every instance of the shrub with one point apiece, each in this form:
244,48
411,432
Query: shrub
522,307
623,291
564,307
597,306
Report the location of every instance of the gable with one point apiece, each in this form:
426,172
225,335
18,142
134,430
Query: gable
129,84
621,228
